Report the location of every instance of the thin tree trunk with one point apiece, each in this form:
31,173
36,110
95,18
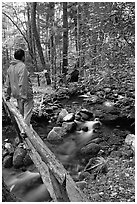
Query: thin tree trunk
60,55
65,40
75,23
78,33
37,40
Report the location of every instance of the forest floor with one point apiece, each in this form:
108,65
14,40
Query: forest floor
115,107
118,185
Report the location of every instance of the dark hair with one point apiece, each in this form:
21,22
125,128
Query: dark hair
19,54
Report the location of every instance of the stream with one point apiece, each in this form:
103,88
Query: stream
112,135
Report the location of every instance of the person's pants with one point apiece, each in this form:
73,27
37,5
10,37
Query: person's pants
25,109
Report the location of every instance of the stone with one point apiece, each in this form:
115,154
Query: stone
60,131
27,160
57,129
130,140
84,116
87,112
18,156
16,141
69,126
61,115
53,136
4,153
91,149
69,117
9,147
7,161
97,140
81,184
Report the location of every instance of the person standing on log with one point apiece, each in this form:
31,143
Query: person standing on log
18,85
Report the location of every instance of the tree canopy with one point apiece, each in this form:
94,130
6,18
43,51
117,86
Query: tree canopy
89,36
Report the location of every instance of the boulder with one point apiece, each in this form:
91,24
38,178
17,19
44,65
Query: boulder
87,112
69,126
91,149
60,131
53,136
84,114
69,117
9,147
130,140
18,156
7,161
61,115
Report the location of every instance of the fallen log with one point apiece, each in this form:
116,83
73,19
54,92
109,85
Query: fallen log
47,163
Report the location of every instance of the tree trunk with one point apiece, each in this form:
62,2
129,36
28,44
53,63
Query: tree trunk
65,40
31,42
78,33
75,23
37,40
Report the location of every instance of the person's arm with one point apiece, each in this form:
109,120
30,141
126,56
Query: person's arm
23,82
7,87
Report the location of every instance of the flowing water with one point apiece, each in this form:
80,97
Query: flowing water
21,182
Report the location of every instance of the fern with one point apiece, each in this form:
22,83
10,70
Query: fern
98,166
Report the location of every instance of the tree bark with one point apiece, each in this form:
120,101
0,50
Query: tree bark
32,44
37,40
78,33
65,40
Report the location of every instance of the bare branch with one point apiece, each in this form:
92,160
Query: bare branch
14,10
16,27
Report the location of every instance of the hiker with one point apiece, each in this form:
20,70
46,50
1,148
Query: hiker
19,86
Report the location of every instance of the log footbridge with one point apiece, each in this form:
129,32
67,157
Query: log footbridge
57,180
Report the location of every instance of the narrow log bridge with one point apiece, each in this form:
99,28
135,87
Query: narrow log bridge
59,183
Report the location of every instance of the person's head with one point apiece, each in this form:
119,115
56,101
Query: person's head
19,55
